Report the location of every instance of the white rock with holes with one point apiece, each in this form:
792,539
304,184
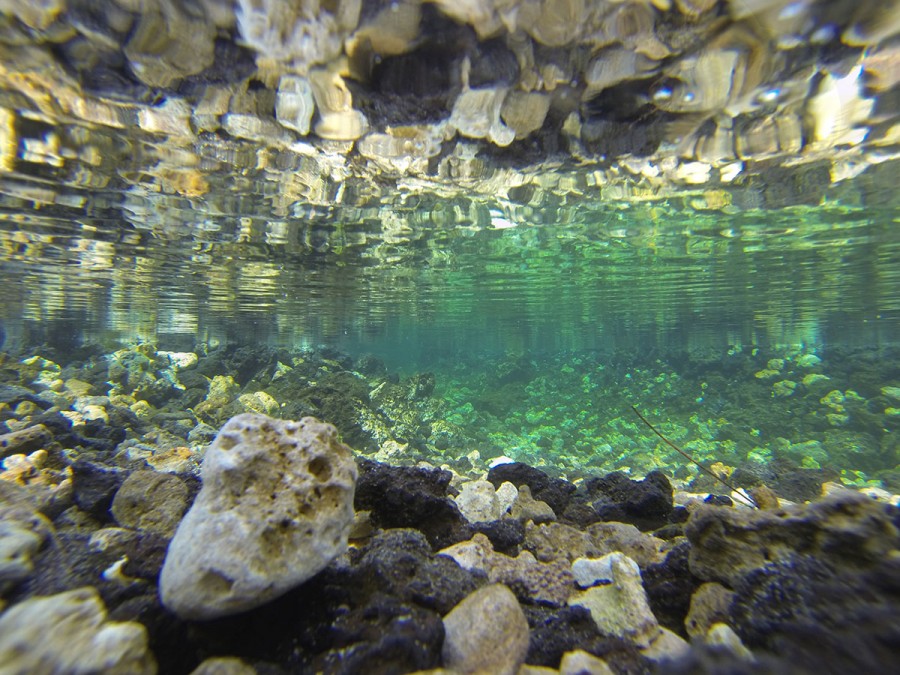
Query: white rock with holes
275,508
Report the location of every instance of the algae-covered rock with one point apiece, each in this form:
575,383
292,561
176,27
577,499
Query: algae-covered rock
275,507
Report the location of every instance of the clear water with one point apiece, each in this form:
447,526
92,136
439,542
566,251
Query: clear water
430,279
125,226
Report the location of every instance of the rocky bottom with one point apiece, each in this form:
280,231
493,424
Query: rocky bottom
288,552
609,576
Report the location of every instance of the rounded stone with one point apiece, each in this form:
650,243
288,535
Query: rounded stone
275,508
486,633
150,500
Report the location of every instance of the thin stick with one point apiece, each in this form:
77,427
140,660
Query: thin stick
693,461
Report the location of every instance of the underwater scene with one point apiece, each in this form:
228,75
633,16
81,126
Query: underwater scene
449,336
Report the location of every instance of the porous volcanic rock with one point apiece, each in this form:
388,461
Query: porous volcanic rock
275,507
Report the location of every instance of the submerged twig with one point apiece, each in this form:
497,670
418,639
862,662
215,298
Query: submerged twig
693,461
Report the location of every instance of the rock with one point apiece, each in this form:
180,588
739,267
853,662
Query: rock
486,632
18,546
506,535
400,563
849,530
549,541
69,633
581,662
808,612
543,582
224,665
666,646
670,587
403,149
556,632
722,635
524,112
554,491
338,120
150,500
294,103
527,508
646,503
478,502
95,485
275,507
384,636
259,402
296,34
506,495
24,440
709,605
592,571
411,497
476,114
621,608
169,43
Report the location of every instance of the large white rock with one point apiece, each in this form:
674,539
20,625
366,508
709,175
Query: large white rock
69,633
275,508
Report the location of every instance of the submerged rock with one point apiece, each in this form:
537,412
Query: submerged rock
620,608
486,633
411,497
275,507
69,633
547,583
646,503
150,500
849,530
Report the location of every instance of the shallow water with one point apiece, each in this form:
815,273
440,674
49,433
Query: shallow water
619,257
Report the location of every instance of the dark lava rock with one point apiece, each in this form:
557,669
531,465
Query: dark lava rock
556,492
96,435
385,637
410,497
803,485
94,486
670,585
336,398
506,535
376,610
400,563
702,660
68,562
241,363
579,512
57,423
13,394
645,503
848,530
808,612
555,632
146,554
